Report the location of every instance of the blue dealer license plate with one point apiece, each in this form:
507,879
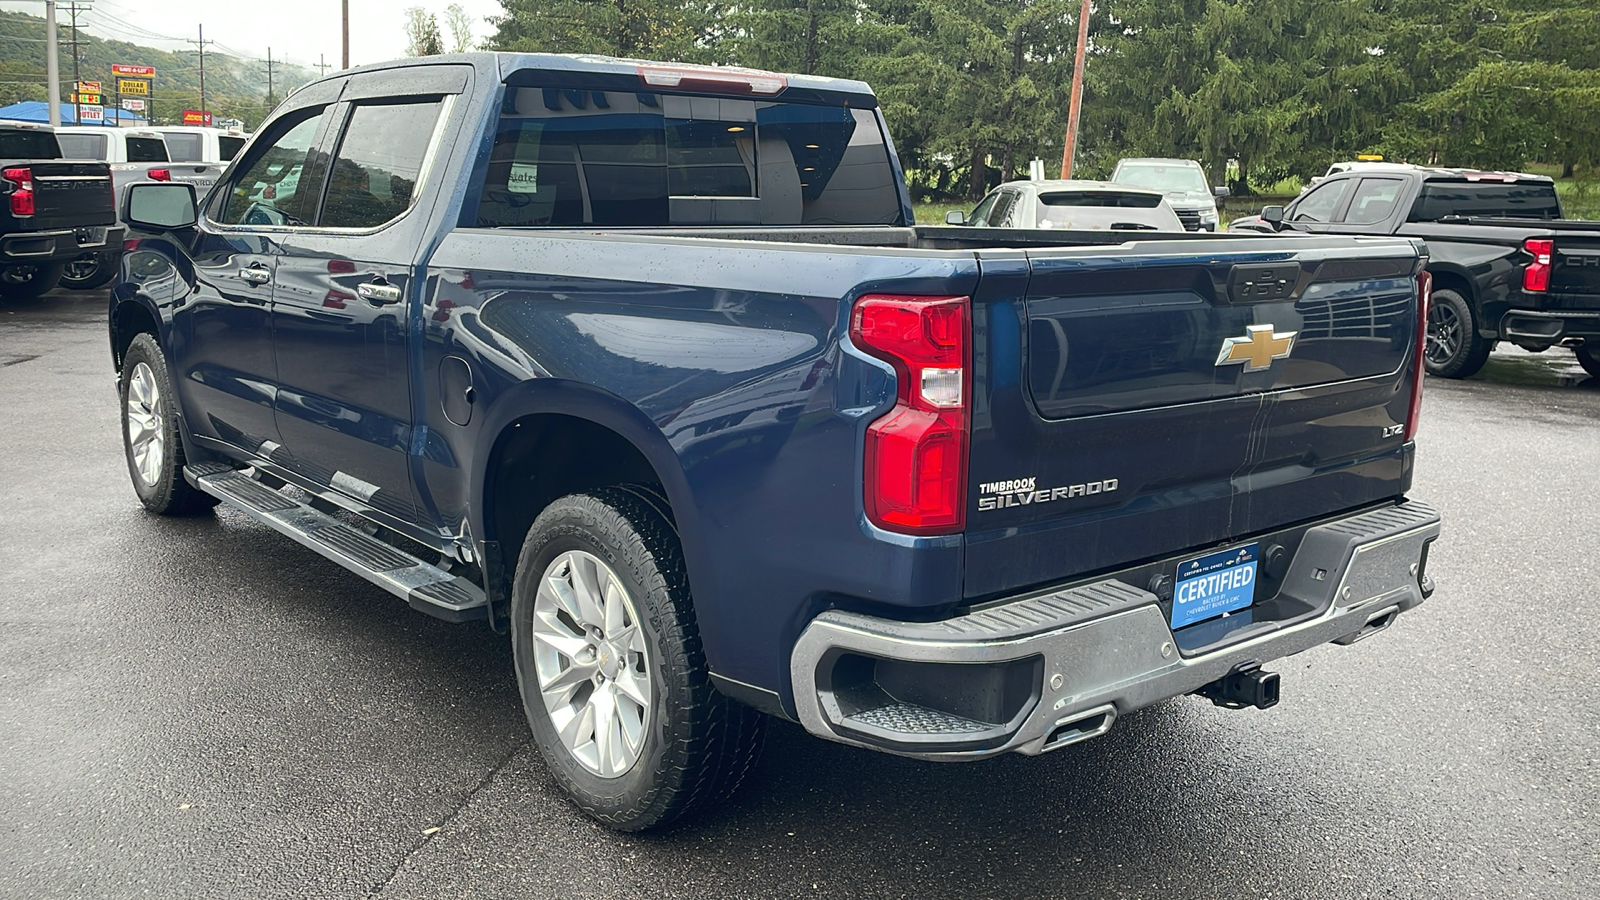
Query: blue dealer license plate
1217,583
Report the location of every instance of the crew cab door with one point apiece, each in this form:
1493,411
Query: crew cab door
223,329
343,302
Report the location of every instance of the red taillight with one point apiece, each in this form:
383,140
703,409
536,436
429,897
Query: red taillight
916,454
1424,300
22,190
341,267
160,174
1536,277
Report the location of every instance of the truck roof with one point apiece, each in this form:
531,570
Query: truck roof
503,65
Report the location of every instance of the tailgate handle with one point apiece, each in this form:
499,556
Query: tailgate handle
1259,283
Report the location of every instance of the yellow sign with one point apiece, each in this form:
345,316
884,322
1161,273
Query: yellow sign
1369,157
88,87
82,97
133,86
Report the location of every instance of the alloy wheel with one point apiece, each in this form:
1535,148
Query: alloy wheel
147,440
1444,334
592,664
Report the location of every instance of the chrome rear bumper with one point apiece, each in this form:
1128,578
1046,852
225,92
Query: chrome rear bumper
1047,670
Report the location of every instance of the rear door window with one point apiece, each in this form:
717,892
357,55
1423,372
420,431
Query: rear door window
1001,217
579,157
1373,201
374,175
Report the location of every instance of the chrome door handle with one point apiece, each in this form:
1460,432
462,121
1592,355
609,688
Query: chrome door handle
378,292
256,275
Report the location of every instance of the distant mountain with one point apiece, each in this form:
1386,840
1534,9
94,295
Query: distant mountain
235,88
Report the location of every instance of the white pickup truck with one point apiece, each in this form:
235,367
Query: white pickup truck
136,155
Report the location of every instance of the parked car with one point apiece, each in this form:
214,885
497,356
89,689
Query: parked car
1506,266
1184,183
1072,206
648,365
54,210
202,143
135,155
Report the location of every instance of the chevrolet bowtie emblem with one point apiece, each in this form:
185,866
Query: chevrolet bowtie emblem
1257,349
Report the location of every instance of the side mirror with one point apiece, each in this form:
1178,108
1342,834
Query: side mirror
955,217
1219,192
158,207
1272,215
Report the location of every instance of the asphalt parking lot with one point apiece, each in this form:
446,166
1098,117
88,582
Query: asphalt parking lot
202,708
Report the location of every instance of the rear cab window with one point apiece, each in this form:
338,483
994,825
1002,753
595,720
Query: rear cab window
1508,199
184,146
82,146
564,157
20,143
147,149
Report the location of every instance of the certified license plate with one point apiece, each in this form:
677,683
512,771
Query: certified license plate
1217,583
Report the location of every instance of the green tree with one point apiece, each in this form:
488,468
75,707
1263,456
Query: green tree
678,30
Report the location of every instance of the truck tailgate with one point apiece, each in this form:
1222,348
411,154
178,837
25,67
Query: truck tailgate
1163,395
1576,273
70,194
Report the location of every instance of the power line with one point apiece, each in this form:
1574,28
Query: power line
202,45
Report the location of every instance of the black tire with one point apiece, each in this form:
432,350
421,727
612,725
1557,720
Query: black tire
1454,347
1588,354
89,271
160,483
697,745
25,282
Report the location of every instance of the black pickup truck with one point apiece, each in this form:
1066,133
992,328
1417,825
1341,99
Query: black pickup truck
649,365
1497,276
53,210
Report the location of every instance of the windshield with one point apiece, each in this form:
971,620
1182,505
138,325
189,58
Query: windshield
1163,177
82,146
583,157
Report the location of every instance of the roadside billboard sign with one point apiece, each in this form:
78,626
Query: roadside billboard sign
133,86
196,117
95,114
134,71
133,104
82,97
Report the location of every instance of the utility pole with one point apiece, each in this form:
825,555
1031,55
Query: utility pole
271,98
345,19
1069,150
322,64
52,64
77,104
202,45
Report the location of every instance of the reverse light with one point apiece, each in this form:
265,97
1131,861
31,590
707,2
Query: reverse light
722,79
1424,301
160,174
1536,277
21,179
916,454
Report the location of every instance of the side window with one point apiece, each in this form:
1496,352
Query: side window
1001,218
1320,204
373,178
980,213
1373,201
269,189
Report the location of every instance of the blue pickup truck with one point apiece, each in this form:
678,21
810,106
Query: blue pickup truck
649,366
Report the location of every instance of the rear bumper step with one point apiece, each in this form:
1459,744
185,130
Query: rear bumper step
1042,672
424,586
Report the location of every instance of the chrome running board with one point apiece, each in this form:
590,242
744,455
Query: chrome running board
424,586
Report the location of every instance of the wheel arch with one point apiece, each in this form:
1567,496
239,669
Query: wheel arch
130,317
546,438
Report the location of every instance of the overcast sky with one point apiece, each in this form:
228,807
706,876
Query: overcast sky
297,29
